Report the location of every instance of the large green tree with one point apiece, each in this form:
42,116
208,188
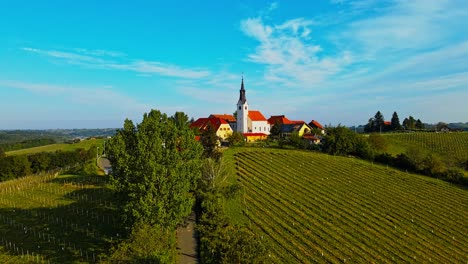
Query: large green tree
155,166
379,122
395,122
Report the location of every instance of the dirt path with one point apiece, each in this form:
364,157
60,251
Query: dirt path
187,242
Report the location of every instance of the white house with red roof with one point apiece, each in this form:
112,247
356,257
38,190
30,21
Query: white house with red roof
250,121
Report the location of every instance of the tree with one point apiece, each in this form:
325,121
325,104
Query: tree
209,141
418,124
395,122
342,141
236,139
275,130
2,153
441,125
411,122
406,124
155,166
379,122
181,119
377,141
147,244
370,126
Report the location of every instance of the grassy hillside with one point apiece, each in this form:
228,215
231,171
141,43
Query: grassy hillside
449,146
63,219
86,144
312,207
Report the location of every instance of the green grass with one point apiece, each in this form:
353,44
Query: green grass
311,207
449,146
86,144
62,219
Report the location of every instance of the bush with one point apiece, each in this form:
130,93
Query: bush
147,244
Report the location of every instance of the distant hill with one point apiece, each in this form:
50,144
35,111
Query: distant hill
85,144
316,208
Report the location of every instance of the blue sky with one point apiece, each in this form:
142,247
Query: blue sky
67,64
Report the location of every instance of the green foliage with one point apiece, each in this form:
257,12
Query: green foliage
155,166
210,141
61,218
395,122
343,141
181,120
147,244
222,242
375,124
236,139
316,208
377,141
29,143
275,130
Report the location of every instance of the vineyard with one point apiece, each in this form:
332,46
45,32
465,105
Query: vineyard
446,145
312,207
85,144
56,219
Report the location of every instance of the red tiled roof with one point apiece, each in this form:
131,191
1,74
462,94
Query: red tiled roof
281,119
228,118
316,124
387,123
197,138
202,123
255,115
297,122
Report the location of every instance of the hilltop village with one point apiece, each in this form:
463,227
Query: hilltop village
254,126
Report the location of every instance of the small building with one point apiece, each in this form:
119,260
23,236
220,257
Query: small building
252,137
228,118
222,128
257,123
315,124
300,129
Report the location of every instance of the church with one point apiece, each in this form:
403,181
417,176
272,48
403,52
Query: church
250,122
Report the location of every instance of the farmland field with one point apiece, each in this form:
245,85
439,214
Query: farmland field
56,219
86,144
311,207
446,145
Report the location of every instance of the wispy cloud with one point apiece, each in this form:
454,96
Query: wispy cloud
102,59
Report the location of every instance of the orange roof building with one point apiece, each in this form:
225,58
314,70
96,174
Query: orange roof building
223,129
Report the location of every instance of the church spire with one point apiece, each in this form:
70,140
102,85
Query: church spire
242,98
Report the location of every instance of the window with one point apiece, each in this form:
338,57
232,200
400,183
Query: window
239,108
245,107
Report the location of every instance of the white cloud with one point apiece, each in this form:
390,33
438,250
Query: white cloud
289,55
99,59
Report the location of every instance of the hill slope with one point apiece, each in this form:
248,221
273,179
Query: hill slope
63,219
452,147
317,208
86,144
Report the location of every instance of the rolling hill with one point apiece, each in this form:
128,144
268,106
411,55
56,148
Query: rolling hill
86,144
311,207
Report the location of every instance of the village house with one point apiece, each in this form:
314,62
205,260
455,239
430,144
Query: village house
221,126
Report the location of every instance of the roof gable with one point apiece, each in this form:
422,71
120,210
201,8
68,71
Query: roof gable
256,115
226,117
316,124
202,123
281,119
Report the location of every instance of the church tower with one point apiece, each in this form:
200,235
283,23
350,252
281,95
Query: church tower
242,110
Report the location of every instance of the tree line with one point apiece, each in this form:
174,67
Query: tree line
12,167
378,124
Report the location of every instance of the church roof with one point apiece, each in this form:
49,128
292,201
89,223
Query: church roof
256,115
226,117
242,98
202,123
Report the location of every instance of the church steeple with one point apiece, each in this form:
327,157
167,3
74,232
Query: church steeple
242,110
242,98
